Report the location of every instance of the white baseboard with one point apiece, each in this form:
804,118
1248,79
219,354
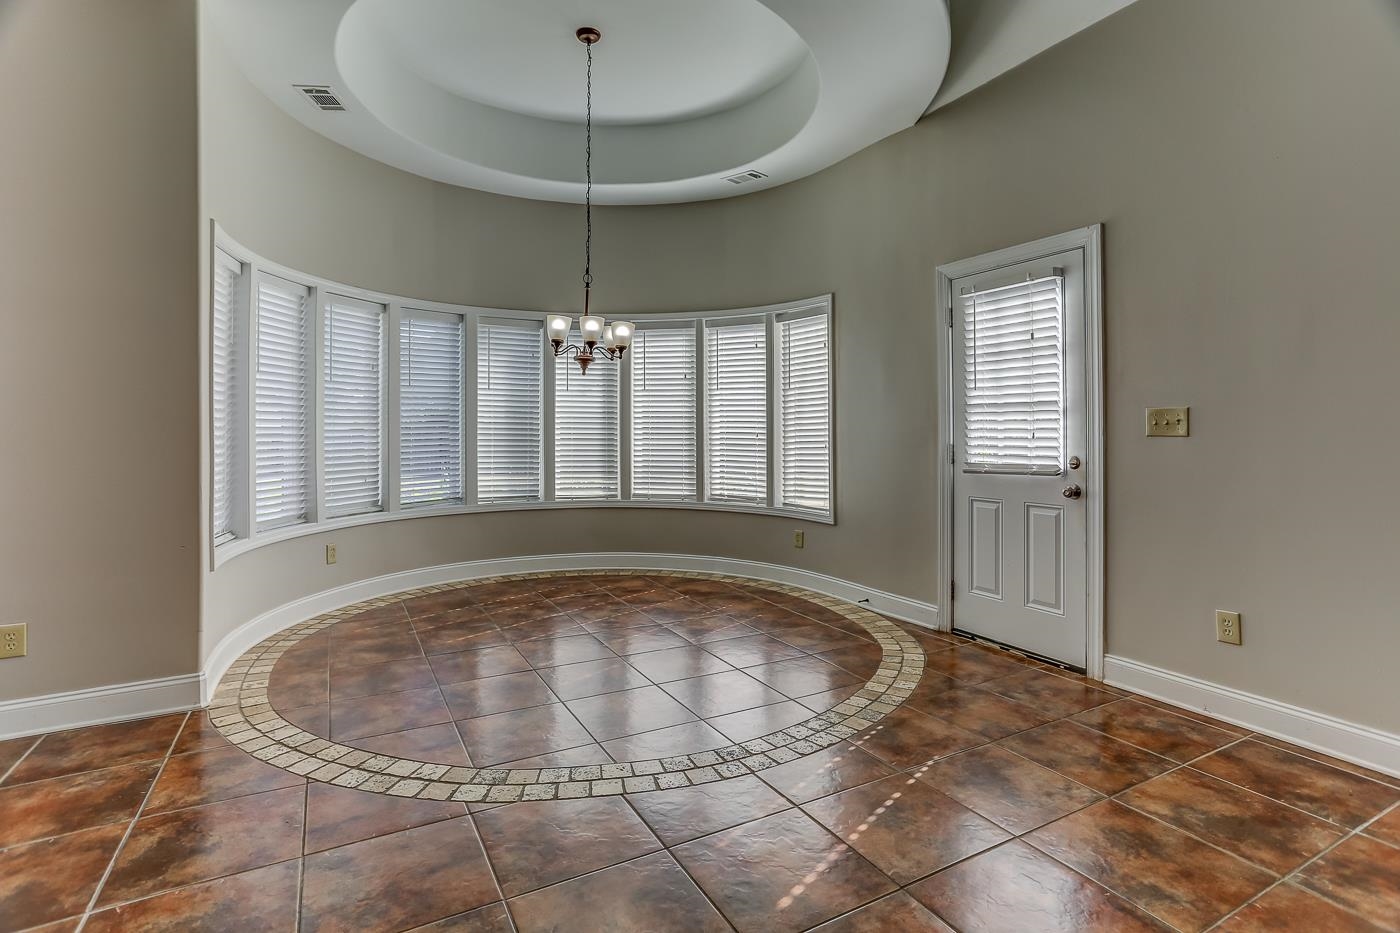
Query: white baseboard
97,705
1359,744
299,610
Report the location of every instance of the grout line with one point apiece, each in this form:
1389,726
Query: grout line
20,760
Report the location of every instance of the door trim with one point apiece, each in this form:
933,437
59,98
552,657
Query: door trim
1090,240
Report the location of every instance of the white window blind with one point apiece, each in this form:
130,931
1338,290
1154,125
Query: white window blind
804,415
280,485
662,365
430,408
736,412
510,417
1013,378
586,441
352,433
226,391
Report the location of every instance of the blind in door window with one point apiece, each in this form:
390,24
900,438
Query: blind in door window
662,366
224,386
509,428
353,403
586,430
280,483
804,412
1013,356
430,408
736,412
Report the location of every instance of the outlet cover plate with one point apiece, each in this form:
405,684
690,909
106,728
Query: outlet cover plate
1168,422
1229,629
14,640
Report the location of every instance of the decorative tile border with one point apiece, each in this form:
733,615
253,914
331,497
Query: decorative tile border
241,711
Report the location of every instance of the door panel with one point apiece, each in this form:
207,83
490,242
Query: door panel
1018,392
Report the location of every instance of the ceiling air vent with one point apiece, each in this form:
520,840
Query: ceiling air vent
321,96
743,178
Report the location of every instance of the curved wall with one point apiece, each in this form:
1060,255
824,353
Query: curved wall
1215,175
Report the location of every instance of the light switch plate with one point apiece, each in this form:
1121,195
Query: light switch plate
331,555
14,641
1228,627
1168,422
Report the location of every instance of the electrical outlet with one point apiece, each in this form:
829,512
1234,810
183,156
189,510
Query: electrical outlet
1228,627
14,641
330,553
1168,422
799,539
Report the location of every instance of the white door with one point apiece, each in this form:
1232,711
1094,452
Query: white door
1020,431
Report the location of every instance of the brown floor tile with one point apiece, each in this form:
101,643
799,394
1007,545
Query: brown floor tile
337,816
1362,875
825,772
1338,763
1091,758
392,712
628,712
41,882
1162,870
1155,729
1286,909
592,607
904,827
61,805
295,689
374,679
753,649
390,612
1009,790
1387,828
1051,694
1255,828
347,633
450,618
981,711
907,737
679,609
12,750
591,678
783,872
706,629
717,694
363,652
440,744
1015,888
197,735
625,621
502,693
478,663
262,899
800,677
310,655
432,603
1300,782
170,850
449,638
639,640
1194,714
523,611
521,733
815,638
752,723
536,844
648,895
971,664
543,630
489,919
576,757
895,912
94,747
215,774
701,589
314,719
678,664
552,652
398,881
681,815
829,699
693,736
861,660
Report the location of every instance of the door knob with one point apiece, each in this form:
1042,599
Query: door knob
1072,491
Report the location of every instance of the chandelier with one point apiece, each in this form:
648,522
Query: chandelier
600,338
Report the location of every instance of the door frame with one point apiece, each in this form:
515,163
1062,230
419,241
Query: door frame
1090,240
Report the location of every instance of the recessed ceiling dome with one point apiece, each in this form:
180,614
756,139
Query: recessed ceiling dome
489,94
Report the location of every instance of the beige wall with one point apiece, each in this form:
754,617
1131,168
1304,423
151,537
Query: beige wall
1242,157
99,529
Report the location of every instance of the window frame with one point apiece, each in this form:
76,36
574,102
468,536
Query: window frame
396,307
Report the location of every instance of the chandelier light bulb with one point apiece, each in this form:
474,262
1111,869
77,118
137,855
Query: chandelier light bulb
622,334
591,328
558,327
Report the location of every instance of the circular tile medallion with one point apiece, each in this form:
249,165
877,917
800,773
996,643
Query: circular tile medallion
242,712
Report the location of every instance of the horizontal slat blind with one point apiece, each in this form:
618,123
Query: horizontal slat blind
226,391
353,406
1013,378
430,408
736,412
804,416
281,486
662,363
510,417
586,442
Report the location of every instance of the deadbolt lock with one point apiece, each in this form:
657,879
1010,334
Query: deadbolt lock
1075,463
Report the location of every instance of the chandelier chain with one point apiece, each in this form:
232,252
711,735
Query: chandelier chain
588,175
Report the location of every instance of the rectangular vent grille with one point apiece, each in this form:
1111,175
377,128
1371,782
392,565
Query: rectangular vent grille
321,96
743,178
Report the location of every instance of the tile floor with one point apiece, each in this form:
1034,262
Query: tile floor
1001,795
